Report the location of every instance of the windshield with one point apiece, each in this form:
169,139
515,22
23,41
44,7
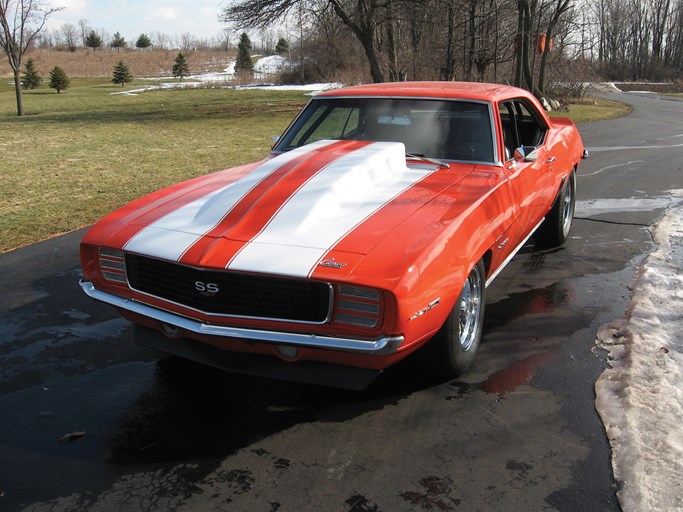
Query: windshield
442,129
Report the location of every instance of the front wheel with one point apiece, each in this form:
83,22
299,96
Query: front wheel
452,349
555,228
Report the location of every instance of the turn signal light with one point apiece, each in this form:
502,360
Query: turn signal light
358,306
113,265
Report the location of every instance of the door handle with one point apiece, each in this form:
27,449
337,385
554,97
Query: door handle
550,160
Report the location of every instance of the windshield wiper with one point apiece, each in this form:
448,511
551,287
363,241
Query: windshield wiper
417,156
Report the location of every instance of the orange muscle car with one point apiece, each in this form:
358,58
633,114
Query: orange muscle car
370,231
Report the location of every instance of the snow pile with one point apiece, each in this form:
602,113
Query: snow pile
271,65
640,399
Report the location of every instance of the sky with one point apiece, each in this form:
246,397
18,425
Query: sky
133,17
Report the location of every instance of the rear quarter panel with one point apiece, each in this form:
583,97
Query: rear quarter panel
565,144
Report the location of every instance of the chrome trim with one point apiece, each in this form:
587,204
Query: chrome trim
359,307
359,292
429,307
117,278
385,345
351,319
512,255
112,265
111,253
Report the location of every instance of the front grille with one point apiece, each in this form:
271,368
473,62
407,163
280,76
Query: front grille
243,295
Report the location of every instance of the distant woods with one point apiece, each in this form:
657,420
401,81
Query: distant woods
523,42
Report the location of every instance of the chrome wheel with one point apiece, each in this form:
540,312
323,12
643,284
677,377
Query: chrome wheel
469,309
558,222
568,207
451,352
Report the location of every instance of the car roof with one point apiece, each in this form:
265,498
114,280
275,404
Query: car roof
459,90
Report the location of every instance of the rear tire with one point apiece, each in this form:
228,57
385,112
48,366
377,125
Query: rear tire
452,349
558,223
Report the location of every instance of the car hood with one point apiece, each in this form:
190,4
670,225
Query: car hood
289,212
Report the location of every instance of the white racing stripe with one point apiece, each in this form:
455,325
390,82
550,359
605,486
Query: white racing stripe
170,236
327,208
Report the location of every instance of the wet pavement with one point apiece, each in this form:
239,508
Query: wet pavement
173,435
518,432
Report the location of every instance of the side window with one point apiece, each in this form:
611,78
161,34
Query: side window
521,127
531,131
510,139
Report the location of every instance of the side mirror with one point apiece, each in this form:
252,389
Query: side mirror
526,153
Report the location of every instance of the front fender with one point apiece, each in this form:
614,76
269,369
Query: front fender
425,261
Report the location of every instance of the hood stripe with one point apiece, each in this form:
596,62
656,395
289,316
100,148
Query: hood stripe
170,236
326,208
257,207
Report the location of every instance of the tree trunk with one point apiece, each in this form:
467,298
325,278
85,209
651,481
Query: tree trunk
448,72
17,89
528,7
519,43
365,32
395,74
371,53
562,7
471,24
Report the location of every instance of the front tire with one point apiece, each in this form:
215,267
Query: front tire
558,223
452,349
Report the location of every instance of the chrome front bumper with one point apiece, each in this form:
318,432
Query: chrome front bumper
381,346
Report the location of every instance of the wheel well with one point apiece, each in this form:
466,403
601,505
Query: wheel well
488,255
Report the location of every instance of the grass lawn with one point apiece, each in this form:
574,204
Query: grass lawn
77,155
593,109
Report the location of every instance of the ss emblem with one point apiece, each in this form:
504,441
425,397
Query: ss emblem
206,288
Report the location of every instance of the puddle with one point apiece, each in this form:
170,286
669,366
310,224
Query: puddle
516,374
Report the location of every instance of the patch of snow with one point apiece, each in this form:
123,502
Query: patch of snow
604,87
264,67
312,89
640,398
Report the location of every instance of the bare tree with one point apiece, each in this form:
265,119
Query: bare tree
47,39
222,40
21,22
186,42
84,27
70,35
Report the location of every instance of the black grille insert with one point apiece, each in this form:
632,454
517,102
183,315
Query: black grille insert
245,295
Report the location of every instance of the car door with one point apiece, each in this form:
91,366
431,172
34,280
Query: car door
527,162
